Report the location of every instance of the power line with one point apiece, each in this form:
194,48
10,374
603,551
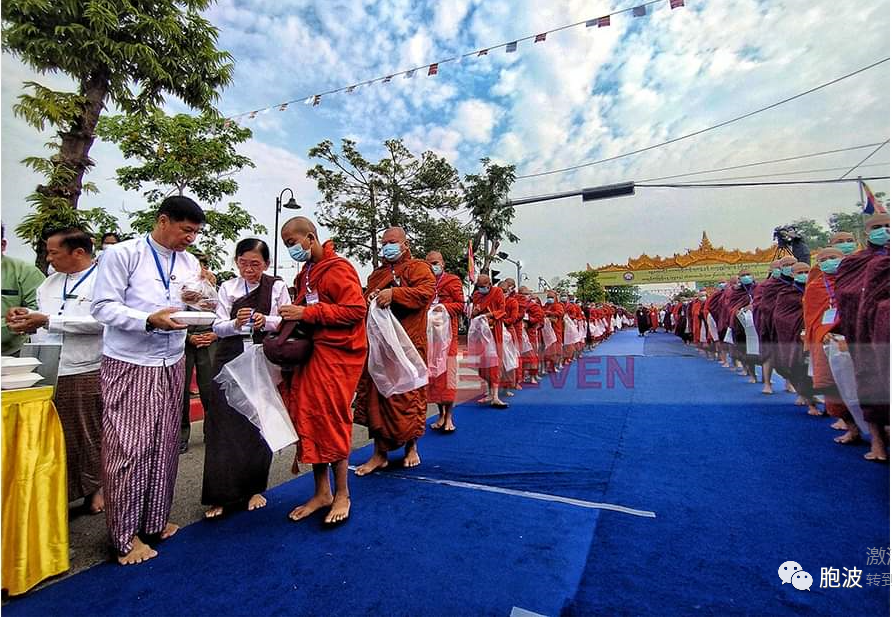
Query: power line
864,160
710,128
758,163
797,172
777,183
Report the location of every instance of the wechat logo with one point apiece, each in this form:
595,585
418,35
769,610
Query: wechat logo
791,572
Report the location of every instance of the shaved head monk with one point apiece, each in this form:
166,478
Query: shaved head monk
406,286
554,312
512,316
329,299
844,241
532,323
443,388
764,301
490,301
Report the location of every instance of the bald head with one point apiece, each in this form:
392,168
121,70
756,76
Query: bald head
801,267
524,290
877,220
435,261
483,280
842,236
394,234
300,231
787,261
829,253
299,224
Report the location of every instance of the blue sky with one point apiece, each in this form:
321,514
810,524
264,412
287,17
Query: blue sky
584,94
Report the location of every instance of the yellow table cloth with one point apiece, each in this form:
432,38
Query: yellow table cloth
35,493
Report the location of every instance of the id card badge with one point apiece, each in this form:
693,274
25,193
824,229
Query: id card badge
312,298
829,317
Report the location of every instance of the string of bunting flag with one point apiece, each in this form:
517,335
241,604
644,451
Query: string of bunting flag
433,68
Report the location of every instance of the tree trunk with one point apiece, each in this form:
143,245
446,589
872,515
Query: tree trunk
78,139
374,230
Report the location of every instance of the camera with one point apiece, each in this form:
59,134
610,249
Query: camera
786,236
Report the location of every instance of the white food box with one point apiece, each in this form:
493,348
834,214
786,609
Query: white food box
194,318
22,380
18,366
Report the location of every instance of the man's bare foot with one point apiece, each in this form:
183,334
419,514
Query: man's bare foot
169,531
214,512
316,502
840,425
340,510
256,502
814,411
139,553
851,437
378,461
97,503
412,459
767,389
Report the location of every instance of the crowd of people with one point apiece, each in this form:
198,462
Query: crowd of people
823,327
123,390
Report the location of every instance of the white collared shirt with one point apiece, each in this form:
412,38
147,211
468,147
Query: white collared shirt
232,290
70,320
128,288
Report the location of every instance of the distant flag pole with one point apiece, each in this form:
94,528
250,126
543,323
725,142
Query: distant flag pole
472,276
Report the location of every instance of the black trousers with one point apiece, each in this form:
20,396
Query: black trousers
202,361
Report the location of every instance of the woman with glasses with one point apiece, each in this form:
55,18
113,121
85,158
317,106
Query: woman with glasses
237,459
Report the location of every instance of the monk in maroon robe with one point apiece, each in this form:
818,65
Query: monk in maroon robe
406,286
741,297
764,298
443,388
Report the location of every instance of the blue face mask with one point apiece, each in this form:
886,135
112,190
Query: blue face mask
483,290
879,236
722,285
775,274
391,251
847,248
298,253
549,301
787,271
801,278
829,266
746,279
438,269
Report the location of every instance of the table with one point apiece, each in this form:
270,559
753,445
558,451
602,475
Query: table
35,494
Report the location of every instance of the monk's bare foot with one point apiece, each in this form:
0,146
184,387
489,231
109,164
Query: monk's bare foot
767,389
877,455
97,503
438,424
139,553
449,427
412,459
752,379
814,411
256,502
509,393
486,400
340,510
851,437
214,512
800,402
316,502
840,425
378,461
169,531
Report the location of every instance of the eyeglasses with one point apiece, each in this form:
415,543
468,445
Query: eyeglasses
250,265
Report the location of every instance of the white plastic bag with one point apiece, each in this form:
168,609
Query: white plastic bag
549,338
249,383
525,345
570,332
729,336
702,332
843,370
580,328
200,295
395,365
713,328
482,350
510,357
745,317
439,339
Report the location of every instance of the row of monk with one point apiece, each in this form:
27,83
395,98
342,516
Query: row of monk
823,327
123,366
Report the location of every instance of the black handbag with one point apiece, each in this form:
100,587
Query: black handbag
290,346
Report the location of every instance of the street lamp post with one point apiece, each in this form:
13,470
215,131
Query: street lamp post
292,205
503,255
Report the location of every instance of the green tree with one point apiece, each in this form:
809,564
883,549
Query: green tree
486,194
221,228
561,285
178,152
588,289
447,235
626,296
128,54
361,199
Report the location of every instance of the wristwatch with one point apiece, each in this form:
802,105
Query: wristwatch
149,327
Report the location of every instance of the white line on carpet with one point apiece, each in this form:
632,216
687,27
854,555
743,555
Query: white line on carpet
592,505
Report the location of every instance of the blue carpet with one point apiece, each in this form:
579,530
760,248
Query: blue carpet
739,482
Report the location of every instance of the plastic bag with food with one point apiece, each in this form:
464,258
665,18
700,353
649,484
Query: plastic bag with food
199,295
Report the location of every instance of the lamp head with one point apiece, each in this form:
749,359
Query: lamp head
502,255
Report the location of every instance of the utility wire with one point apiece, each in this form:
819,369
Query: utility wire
864,160
797,172
777,183
710,128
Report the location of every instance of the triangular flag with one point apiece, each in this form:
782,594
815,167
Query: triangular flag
350,89
252,115
283,106
591,22
410,74
387,79
676,4
511,47
603,22
482,52
639,11
432,69
317,99
540,37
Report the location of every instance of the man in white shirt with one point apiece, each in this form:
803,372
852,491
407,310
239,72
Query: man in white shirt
63,317
138,286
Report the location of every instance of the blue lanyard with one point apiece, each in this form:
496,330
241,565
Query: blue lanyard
830,291
307,269
173,260
73,289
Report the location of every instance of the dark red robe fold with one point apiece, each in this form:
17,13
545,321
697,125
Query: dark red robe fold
870,353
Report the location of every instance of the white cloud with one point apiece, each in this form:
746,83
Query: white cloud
475,120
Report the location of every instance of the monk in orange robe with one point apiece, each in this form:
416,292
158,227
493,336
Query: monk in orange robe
554,312
576,317
443,388
490,301
532,323
517,330
819,297
654,318
696,308
406,286
329,298
512,315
